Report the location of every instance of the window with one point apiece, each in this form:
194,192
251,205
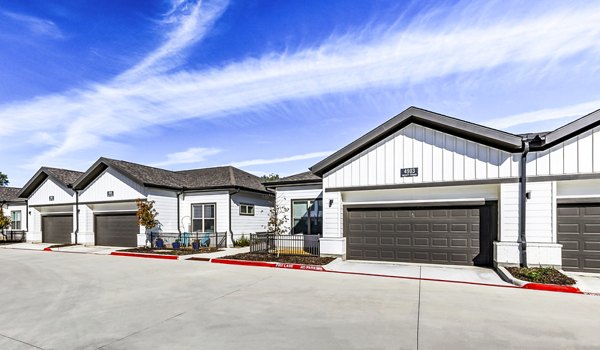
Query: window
247,209
15,218
203,217
307,217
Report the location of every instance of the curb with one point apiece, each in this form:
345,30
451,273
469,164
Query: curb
145,255
507,276
268,264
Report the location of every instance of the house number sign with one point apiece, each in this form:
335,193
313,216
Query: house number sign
408,172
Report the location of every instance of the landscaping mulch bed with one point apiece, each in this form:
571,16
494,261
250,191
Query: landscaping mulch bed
289,259
545,275
165,251
62,245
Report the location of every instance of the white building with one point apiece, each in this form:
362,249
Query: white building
428,188
98,207
16,209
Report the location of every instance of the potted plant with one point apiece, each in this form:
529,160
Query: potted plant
177,244
159,243
196,244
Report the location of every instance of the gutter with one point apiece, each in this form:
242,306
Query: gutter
231,193
179,210
523,196
76,233
27,215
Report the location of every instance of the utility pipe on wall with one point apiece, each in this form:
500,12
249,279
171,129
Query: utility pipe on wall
523,206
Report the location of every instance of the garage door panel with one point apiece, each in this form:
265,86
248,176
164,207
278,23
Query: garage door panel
579,234
591,228
118,230
591,264
57,229
438,235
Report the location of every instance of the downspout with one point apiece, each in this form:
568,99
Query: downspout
231,193
178,211
76,215
523,206
27,215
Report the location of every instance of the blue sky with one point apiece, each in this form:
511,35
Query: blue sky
276,86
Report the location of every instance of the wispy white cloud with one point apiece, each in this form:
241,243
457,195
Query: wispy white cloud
468,40
189,156
35,25
191,21
545,114
305,156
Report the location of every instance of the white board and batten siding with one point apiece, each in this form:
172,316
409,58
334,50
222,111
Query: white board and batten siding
438,156
286,194
51,188
122,187
578,155
247,224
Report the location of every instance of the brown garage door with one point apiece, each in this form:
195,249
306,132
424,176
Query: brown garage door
439,235
579,233
57,228
117,230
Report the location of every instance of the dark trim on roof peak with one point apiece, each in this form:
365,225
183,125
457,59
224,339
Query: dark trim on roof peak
478,133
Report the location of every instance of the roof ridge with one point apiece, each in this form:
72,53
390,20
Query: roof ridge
232,176
143,165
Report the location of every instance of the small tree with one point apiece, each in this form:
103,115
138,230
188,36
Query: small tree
146,215
277,219
270,177
3,179
4,220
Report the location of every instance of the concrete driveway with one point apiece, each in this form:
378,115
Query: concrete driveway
76,301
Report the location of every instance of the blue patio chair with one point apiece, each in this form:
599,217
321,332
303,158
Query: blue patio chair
205,241
185,239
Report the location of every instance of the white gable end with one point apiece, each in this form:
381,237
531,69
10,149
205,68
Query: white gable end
578,155
439,157
51,192
121,186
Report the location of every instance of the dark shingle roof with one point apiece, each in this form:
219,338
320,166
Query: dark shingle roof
207,178
224,176
67,177
305,177
9,194
145,174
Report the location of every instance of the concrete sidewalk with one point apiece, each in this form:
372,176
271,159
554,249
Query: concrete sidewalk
26,246
586,282
81,249
464,274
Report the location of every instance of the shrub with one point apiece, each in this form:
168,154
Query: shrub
242,242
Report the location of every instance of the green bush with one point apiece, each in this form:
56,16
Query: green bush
242,242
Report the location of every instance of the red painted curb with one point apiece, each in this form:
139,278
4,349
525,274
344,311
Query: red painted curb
268,264
144,255
552,288
47,249
424,279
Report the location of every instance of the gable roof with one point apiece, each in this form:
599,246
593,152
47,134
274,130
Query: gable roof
9,194
225,177
306,177
569,130
62,176
470,131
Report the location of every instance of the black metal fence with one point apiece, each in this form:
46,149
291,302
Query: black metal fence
188,239
268,243
13,236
